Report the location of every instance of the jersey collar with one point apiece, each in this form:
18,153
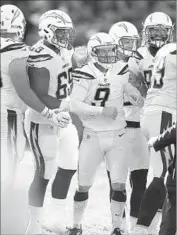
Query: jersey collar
96,72
52,47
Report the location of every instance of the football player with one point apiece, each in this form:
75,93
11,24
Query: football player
127,38
14,54
168,224
159,113
49,71
97,98
157,32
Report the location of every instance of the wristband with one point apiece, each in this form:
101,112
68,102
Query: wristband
45,112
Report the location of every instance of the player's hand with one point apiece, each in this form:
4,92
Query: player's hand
111,112
152,141
61,119
138,99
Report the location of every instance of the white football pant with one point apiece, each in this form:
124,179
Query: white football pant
13,142
137,149
53,147
97,146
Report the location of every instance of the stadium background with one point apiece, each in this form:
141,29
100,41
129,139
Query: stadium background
92,16
89,17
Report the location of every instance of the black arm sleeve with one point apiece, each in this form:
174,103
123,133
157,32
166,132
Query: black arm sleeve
166,138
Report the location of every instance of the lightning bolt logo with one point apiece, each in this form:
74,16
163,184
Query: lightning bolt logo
13,143
36,150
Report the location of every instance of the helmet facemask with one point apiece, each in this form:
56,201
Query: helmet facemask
105,55
62,37
127,46
158,35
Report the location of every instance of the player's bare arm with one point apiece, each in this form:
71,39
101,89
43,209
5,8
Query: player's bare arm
21,84
20,80
39,82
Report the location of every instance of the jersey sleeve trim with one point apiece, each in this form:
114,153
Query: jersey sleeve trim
39,58
128,103
173,52
124,70
82,75
138,56
15,46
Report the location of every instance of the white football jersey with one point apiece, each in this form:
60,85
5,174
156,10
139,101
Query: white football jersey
146,64
162,93
60,69
96,89
10,50
132,112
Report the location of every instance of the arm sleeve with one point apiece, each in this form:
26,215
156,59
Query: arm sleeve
166,138
39,82
77,104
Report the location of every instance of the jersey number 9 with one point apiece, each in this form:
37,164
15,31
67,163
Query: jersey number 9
101,96
65,84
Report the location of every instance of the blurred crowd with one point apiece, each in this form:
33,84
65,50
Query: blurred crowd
91,16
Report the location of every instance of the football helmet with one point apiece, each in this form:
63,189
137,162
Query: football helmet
12,22
56,27
102,50
126,36
157,29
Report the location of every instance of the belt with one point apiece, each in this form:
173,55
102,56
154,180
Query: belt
133,124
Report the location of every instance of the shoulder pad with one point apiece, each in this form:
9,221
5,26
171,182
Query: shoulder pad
38,53
39,58
142,51
82,73
167,49
173,52
5,47
138,56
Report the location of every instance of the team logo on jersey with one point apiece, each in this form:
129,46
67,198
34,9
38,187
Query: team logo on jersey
104,84
82,75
